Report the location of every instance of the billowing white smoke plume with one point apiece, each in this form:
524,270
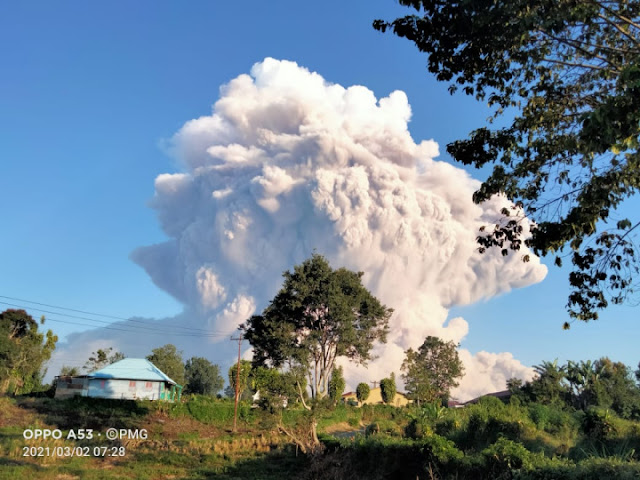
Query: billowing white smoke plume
288,163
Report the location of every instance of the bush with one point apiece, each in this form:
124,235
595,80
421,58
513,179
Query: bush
598,424
505,456
442,449
386,427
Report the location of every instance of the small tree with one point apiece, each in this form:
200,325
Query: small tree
336,385
277,389
431,371
388,389
362,392
101,359
202,376
245,389
168,359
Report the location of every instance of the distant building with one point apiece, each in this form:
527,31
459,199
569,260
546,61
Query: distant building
375,397
128,379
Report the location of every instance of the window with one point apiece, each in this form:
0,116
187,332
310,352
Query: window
148,385
132,385
102,383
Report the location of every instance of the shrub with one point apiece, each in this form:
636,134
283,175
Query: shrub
598,424
504,456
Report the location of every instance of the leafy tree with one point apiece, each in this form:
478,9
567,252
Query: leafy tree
245,389
549,386
431,371
318,315
362,392
337,384
276,389
388,388
569,72
23,351
101,359
584,385
202,376
616,388
168,359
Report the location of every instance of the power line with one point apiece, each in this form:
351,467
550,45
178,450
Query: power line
156,332
90,313
145,326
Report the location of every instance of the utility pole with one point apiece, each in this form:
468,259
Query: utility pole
375,383
235,407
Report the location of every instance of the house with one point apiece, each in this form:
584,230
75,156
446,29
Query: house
128,379
375,396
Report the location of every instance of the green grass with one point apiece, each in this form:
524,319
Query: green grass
193,440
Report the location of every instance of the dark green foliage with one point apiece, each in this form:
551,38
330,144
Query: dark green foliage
549,386
101,359
432,371
362,391
23,352
388,389
168,359
202,377
337,384
422,419
584,384
598,424
504,457
568,73
318,315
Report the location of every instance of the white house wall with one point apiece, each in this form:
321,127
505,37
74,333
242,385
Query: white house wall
124,389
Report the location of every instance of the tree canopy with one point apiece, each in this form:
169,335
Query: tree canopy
202,376
168,359
23,351
582,385
569,73
362,391
432,371
318,315
388,388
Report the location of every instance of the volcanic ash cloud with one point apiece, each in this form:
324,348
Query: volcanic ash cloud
287,163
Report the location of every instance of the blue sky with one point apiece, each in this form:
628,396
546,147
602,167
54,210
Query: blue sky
90,92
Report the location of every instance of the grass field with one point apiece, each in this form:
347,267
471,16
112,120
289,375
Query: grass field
177,446
194,440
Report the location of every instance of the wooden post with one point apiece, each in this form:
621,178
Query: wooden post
235,407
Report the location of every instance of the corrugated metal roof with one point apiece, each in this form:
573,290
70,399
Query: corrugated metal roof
132,369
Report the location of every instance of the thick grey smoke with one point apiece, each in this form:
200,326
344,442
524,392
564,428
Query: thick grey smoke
288,163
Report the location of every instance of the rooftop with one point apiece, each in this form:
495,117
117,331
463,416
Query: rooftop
132,369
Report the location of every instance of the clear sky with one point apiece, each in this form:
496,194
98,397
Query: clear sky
91,92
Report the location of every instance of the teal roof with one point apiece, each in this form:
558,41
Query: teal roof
132,369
